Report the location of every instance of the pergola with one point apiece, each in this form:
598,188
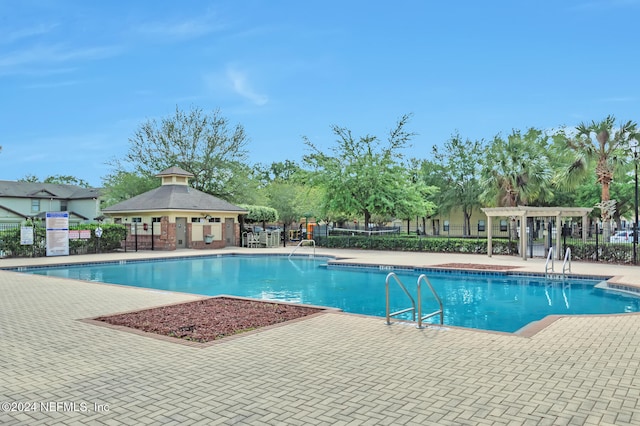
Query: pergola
524,212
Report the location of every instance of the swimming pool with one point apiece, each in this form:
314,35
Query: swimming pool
489,301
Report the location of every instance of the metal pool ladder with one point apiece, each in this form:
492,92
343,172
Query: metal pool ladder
412,309
300,244
566,265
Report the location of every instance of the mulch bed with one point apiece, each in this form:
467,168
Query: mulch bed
209,319
475,266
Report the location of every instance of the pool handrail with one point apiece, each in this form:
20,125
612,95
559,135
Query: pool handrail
566,265
567,262
412,309
546,265
440,311
300,244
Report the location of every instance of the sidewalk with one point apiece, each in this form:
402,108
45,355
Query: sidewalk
333,369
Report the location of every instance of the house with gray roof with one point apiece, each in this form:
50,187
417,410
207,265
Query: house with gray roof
20,201
175,216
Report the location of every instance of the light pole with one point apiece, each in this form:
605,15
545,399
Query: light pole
635,148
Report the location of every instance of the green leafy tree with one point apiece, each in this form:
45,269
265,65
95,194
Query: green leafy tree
282,186
366,177
260,214
279,171
121,185
57,179
459,172
203,144
29,178
602,147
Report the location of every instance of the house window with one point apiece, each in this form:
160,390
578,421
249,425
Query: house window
117,220
214,219
63,205
481,226
136,219
197,220
503,225
156,219
445,227
35,206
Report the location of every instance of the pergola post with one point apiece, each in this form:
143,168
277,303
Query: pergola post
523,235
558,235
489,235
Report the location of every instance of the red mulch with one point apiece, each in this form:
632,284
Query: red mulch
209,319
475,266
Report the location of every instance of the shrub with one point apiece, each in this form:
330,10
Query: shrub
112,236
412,243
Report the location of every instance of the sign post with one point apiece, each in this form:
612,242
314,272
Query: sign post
57,226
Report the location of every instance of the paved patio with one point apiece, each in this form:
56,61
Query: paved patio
330,369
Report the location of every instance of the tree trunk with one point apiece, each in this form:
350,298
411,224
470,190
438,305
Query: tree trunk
367,218
605,214
467,222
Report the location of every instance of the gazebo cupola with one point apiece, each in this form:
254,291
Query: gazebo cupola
174,176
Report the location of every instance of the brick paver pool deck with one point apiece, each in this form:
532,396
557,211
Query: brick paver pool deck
332,369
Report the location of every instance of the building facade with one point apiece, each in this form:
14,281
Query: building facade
176,216
20,201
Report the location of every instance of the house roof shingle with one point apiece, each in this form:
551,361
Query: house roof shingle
174,197
46,190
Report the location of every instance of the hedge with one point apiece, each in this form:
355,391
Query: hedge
112,236
401,243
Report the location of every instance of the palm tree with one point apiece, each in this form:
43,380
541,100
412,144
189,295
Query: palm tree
599,145
517,171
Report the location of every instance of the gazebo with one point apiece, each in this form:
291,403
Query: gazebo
176,216
524,212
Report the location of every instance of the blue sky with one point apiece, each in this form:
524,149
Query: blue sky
77,78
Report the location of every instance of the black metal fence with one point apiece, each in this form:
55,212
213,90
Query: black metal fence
595,246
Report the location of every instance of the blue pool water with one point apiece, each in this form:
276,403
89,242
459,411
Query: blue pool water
485,301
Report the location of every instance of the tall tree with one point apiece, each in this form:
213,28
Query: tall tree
277,171
460,165
365,176
202,144
604,146
517,171
58,179
120,185
284,185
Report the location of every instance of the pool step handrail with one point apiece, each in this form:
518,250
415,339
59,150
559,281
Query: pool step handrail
440,311
412,309
300,244
546,265
566,265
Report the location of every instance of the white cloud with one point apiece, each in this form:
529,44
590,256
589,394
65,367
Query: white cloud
186,29
52,85
234,81
38,55
13,36
242,87
619,99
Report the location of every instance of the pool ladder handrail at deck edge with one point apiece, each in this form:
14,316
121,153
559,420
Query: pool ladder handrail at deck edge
313,242
566,265
412,309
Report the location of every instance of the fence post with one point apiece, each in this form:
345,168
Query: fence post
597,238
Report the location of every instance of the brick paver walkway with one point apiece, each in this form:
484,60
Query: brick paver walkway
334,369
